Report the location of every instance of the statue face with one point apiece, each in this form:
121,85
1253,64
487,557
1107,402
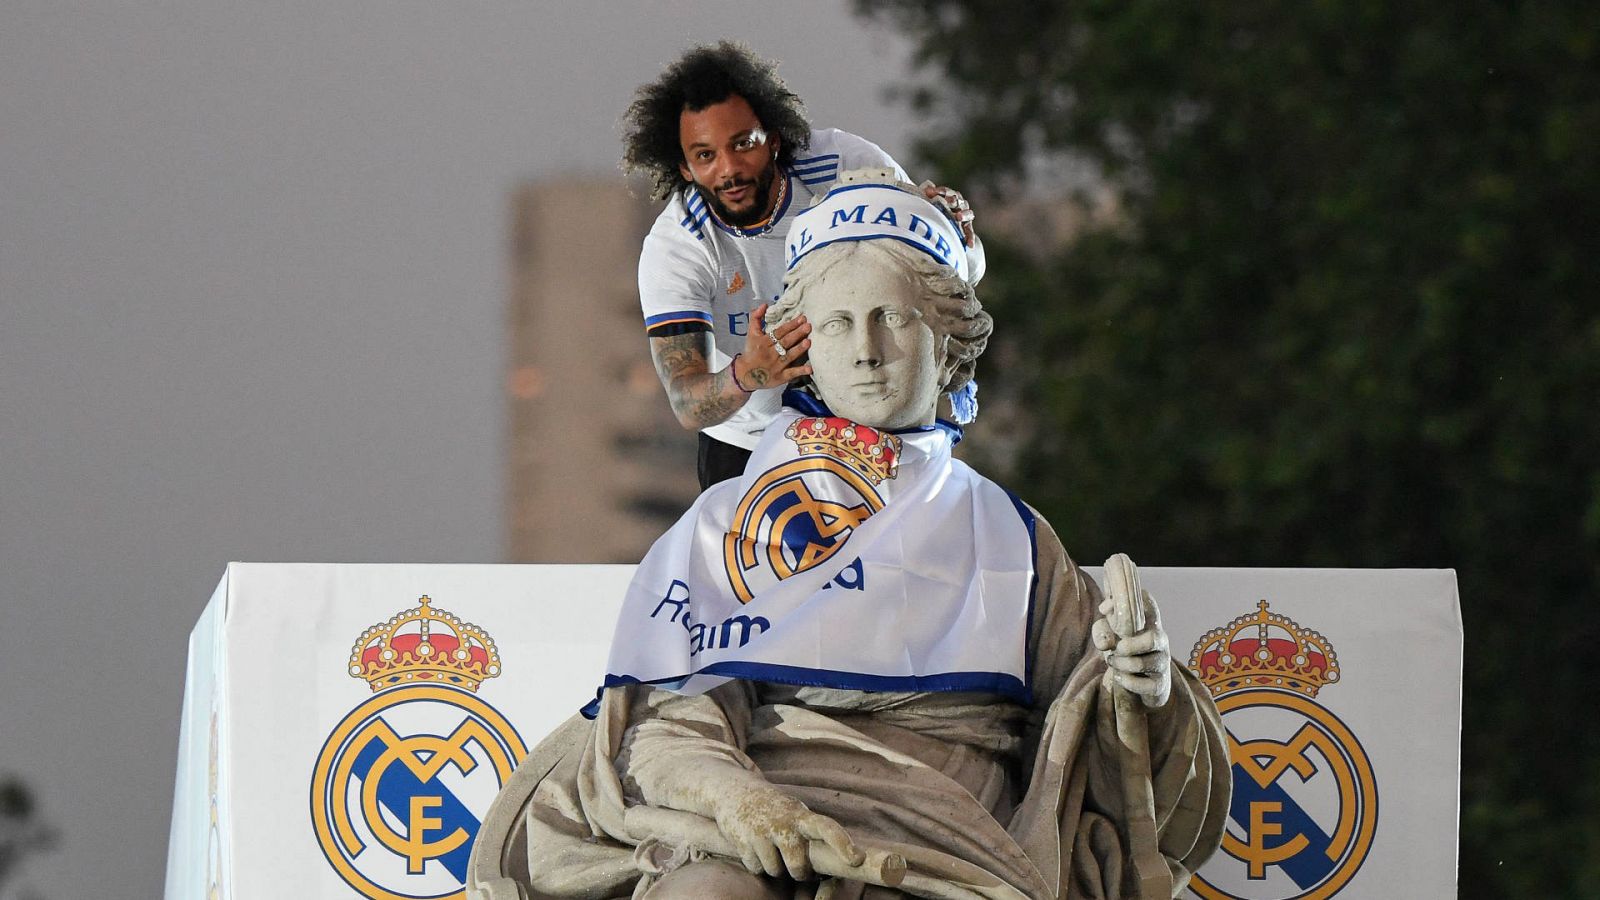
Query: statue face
874,355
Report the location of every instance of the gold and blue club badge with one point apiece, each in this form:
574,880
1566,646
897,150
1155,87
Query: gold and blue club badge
404,780
798,514
1305,801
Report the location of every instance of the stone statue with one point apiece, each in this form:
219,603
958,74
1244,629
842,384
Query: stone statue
862,670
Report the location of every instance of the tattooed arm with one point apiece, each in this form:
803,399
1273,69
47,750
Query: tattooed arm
701,398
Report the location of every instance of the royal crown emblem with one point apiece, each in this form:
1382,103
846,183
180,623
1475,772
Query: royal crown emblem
872,453
1264,650
404,780
423,645
1304,808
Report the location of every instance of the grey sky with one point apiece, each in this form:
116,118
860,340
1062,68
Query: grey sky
252,281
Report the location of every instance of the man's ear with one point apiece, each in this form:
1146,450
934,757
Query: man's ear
683,169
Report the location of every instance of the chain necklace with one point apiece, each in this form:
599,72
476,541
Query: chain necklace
765,225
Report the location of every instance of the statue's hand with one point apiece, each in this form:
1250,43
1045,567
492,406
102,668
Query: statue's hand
1140,663
772,831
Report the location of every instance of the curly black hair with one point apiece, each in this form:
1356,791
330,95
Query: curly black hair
706,75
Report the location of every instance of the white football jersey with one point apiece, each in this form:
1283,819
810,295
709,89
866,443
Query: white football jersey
697,273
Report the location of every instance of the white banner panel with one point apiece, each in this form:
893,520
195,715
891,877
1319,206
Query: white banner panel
309,766
1346,777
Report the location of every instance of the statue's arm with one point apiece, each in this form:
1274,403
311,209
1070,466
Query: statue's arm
676,745
685,753
1068,606
1187,761
1065,603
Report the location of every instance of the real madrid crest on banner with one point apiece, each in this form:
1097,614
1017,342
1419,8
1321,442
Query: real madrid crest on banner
1305,801
402,783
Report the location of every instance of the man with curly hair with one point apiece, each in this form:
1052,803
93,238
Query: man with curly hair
728,146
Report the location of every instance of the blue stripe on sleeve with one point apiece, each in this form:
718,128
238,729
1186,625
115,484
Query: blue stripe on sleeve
687,315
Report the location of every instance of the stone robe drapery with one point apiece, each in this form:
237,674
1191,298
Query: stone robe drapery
984,798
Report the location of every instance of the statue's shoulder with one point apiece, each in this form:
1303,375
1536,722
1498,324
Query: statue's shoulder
983,482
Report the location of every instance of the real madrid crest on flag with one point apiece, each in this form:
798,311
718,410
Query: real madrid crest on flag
797,515
402,783
1305,801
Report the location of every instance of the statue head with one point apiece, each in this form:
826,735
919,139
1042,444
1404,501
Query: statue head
879,272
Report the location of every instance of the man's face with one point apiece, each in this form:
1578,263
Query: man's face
875,358
731,157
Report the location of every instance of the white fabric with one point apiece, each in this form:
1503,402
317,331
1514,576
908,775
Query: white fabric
860,212
692,268
269,682
930,592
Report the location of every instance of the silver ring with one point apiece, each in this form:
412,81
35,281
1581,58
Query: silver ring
776,345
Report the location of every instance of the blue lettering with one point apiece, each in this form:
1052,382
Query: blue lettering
805,241
736,631
739,323
745,625
927,230
678,603
858,581
887,216
841,216
942,246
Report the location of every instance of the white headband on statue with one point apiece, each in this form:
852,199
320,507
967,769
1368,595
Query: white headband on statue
871,210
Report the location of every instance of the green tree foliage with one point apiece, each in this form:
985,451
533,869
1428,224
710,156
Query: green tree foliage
22,834
1346,314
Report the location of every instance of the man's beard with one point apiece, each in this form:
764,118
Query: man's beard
753,213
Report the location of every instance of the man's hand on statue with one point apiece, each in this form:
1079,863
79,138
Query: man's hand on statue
772,831
773,358
955,206
1139,663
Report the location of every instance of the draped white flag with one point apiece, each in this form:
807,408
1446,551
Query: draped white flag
844,557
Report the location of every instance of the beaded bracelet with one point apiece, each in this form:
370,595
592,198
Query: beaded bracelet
733,373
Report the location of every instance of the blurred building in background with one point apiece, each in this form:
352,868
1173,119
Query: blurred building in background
598,467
